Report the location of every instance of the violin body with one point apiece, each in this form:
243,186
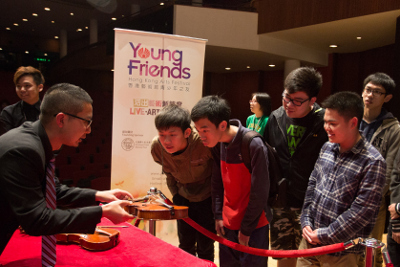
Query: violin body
102,239
154,211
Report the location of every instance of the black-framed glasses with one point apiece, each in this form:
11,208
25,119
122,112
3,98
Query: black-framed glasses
295,102
374,92
89,122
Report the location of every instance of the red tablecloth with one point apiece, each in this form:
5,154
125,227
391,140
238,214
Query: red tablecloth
136,248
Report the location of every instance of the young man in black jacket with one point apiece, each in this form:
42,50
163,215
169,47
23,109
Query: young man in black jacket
296,131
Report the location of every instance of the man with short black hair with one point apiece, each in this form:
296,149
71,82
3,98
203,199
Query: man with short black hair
26,160
345,188
240,196
187,163
382,130
296,132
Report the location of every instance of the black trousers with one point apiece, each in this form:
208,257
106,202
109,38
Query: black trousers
190,240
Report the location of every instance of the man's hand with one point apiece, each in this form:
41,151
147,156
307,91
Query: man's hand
393,213
310,235
396,237
115,212
219,227
243,239
112,195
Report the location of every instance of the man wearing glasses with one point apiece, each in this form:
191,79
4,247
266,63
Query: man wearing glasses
296,131
382,130
26,175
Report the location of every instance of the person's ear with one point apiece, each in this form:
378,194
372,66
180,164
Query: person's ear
187,132
353,122
388,97
312,100
40,87
60,119
222,126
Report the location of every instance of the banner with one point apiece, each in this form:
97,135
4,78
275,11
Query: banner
151,70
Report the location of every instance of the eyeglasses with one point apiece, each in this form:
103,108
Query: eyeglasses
375,93
297,103
89,122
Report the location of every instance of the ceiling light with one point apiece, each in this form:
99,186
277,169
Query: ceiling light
8,29
47,8
86,28
271,65
227,68
56,37
333,46
26,52
71,14
248,67
79,30
24,19
53,21
1,48
45,54
16,24
161,4
113,18
112,69
34,14
358,37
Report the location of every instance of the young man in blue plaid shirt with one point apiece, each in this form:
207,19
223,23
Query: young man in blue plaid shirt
345,189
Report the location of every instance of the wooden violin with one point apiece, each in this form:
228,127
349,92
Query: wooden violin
102,239
156,206
157,211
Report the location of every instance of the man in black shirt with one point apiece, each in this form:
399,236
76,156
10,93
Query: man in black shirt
28,84
27,152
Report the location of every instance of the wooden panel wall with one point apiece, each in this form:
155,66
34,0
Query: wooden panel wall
276,15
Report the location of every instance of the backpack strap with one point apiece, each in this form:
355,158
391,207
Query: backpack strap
245,149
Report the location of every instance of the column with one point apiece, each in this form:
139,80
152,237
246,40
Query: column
291,64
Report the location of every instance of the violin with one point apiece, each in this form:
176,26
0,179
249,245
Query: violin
157,211
156,208
102,239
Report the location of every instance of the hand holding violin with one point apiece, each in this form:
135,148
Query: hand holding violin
115,212
112,195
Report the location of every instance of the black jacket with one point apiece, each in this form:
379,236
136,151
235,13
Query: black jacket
24,153
16,114
298,167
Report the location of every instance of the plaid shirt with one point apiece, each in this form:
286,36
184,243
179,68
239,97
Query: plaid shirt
344,194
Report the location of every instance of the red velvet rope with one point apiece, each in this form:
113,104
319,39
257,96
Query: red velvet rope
268,253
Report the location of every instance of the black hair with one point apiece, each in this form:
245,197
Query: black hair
173,116
382,79
63,97
347,104
213,108
304,79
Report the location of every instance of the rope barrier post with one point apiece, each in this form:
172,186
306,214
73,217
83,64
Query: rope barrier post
152,223
386,257
371,244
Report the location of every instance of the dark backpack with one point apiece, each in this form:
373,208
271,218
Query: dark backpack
277,183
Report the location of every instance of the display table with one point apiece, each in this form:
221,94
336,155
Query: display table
136,248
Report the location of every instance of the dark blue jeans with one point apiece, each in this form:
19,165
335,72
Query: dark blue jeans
231,258
190,240
393,248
